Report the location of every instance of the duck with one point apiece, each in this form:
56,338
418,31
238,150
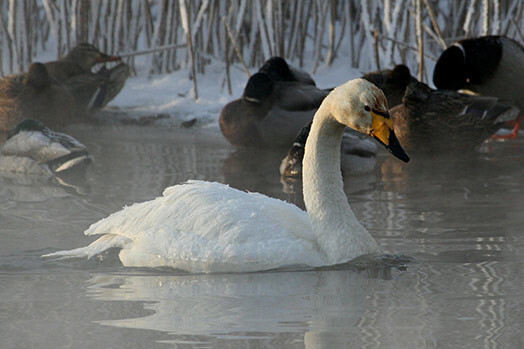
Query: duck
78,61
92,91
357,153
392,82
278,70
487,65
207,227
32,148
276,103
34,95
441,120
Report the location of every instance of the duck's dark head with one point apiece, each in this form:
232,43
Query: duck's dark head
450,70
87,55
26,125
37,77
400,75
467,63
277,69
417,93
259,87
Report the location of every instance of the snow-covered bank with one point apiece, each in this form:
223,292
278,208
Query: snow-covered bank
172,94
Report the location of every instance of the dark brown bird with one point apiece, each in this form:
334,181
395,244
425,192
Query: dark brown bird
78,61
92,91
35,95
277,102
489,65
436,120
392,82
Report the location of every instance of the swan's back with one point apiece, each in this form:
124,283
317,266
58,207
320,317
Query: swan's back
206,226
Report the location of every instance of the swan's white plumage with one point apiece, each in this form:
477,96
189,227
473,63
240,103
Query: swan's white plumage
210,227
207,226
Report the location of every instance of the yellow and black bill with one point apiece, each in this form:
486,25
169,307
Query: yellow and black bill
382,131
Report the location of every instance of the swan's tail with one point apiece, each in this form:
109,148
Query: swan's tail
95,248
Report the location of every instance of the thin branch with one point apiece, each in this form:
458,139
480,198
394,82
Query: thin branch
235,46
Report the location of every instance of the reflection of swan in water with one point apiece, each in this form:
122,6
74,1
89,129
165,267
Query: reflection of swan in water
275,308
209,227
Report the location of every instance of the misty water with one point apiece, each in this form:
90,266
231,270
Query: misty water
459,215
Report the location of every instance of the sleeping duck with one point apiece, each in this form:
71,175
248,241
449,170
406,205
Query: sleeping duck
32,148
442,119
277,102
278,70
357,153
489,65
92,91
34,95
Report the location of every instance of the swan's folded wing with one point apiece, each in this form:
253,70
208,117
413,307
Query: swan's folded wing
203,226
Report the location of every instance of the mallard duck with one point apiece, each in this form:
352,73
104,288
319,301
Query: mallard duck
210,227
78,61
277,102
92,91
278,70
489,65
392,82
34,95
32,148
357,153
435,120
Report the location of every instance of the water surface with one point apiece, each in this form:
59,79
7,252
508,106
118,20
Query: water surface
459,215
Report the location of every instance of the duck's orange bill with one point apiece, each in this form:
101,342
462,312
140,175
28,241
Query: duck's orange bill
102,57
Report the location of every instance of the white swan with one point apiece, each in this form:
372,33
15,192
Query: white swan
210,227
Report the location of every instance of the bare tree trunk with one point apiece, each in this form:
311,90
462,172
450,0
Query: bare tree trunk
420,38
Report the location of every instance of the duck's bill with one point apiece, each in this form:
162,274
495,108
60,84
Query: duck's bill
102,57
384,134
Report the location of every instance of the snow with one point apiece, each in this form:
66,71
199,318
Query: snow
172,93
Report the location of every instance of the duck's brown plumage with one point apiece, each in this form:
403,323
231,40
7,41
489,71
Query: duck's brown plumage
435,120
277,102
74,71
34,95
392,82
78,61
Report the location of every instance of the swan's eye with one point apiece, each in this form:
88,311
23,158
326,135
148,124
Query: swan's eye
367,108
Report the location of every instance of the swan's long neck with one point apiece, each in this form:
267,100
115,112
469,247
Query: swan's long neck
340,235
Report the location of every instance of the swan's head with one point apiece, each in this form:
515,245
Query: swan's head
363,107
